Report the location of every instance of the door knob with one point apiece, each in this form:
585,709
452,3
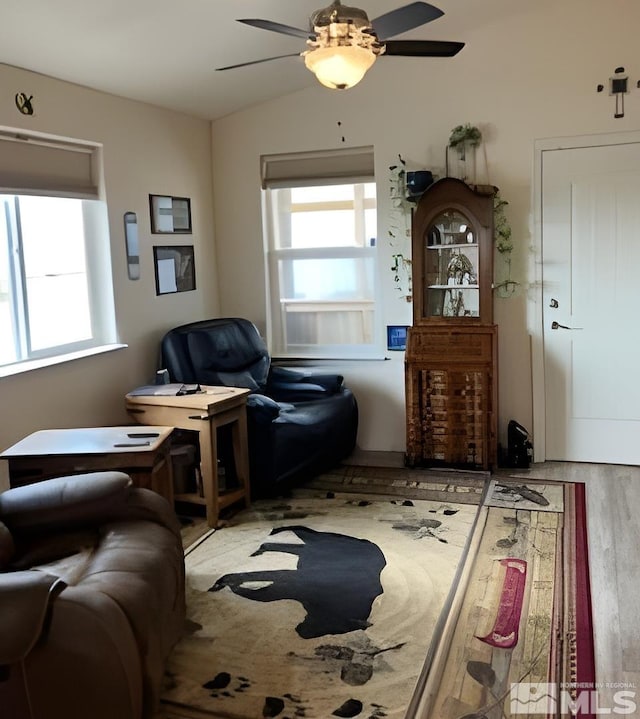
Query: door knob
553,303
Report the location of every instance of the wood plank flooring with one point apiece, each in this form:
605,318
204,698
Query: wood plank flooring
613,502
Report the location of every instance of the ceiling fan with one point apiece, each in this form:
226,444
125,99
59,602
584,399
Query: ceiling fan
343,43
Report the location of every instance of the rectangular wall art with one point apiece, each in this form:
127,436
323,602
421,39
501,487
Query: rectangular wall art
175,269
170,215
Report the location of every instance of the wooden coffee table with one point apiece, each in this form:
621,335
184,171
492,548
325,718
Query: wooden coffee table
142,452
205,412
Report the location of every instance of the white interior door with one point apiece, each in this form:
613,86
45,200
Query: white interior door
591,291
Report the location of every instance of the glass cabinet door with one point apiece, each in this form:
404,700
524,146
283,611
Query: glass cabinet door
451,267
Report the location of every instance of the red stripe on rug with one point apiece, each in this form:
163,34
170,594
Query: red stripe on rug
585,654
505,628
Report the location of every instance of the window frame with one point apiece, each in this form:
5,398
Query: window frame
276,216
35,164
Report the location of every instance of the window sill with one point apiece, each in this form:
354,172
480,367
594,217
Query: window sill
28,365
336,358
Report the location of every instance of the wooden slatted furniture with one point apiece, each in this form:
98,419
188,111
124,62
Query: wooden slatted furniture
451,356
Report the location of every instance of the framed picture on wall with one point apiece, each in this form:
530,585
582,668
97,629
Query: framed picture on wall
175,269
170,215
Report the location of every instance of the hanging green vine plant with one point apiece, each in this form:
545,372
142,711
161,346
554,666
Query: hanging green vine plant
399,231
504,245
399,228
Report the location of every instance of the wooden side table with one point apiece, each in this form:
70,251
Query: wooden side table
204,412
142,452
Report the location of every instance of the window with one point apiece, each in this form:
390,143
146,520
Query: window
56,295
321,264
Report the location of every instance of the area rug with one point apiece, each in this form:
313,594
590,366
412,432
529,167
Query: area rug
512,636
322,605
519,638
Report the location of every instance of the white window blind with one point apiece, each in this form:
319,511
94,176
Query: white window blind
36,165
311,169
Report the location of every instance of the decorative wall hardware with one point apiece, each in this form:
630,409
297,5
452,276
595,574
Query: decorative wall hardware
132,245
23,103
618,86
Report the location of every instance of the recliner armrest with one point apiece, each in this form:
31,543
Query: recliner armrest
145,505
65,501
24,600
262,409
285,379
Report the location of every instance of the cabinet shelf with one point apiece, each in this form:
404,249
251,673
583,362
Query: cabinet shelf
453,287
225,498
444,246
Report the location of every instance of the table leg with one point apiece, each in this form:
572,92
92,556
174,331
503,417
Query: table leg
207,426
241,453
209,469
161,477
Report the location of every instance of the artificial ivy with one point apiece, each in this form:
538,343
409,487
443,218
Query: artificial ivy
503,243
399,231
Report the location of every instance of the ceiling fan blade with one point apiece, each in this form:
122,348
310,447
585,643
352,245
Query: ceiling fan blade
404,18
278,27
257,62
422,48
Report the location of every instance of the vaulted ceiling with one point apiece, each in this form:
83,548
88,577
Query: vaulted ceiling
165,53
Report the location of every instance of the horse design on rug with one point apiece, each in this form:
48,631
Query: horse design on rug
336,581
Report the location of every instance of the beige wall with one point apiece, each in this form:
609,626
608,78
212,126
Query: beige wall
146,150
532,74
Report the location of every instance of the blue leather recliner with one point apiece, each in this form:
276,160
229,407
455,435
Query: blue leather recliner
299,423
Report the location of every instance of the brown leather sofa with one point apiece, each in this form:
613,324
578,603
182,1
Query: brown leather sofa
91,598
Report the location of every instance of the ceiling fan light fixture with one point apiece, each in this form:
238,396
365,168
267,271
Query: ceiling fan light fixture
340,67
343,43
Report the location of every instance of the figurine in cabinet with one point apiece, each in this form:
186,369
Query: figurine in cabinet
451,373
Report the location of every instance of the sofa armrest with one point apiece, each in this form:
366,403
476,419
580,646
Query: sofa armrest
24,601
81,499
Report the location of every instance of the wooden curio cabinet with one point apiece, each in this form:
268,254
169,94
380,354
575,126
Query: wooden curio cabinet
451,357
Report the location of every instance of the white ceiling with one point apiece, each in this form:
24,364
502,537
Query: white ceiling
165,52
